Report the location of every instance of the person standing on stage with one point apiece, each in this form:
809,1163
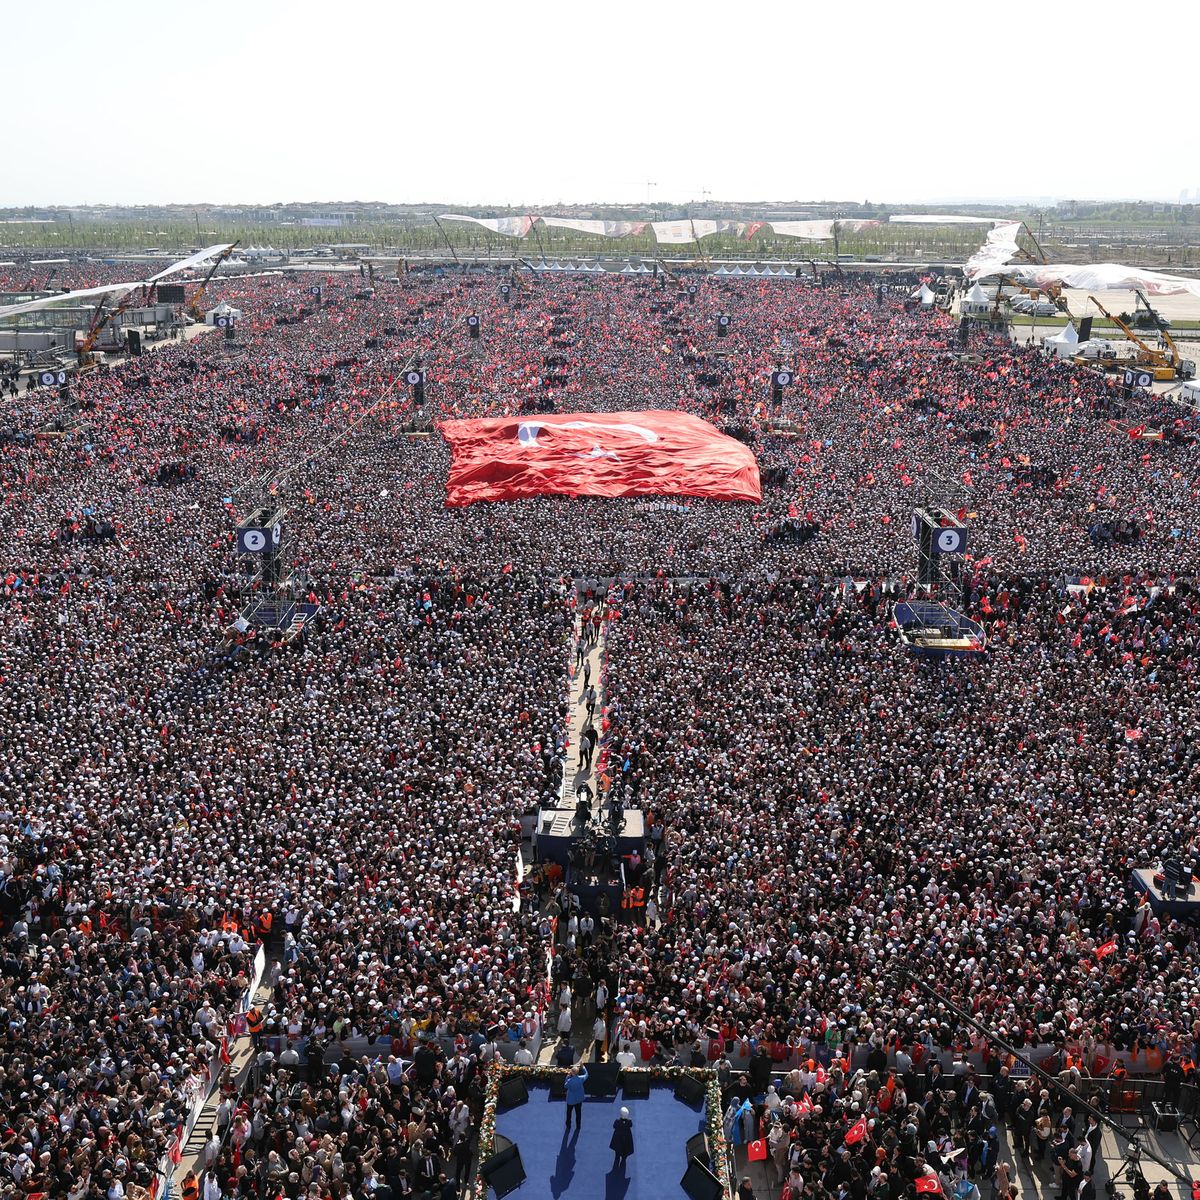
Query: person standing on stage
575,1081
621,1143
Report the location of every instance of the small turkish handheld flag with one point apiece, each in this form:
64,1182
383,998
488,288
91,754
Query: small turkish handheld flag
756,1151
857,1131
1108,948
929,1183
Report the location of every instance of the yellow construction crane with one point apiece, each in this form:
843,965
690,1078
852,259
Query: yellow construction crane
100,320
1185,368
1163,364
198,295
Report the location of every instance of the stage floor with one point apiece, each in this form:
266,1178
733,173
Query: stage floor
579,1166
1183,906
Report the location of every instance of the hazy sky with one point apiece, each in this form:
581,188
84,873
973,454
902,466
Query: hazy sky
533,103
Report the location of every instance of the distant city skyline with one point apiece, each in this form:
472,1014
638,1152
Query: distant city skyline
546,105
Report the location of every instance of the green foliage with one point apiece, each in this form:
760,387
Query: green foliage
951,243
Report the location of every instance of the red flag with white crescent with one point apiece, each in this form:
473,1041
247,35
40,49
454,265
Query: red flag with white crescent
856,1132
651,453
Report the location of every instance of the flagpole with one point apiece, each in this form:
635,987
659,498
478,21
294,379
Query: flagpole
444,237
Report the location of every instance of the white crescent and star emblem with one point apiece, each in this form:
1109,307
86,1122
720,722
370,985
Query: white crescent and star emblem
527,433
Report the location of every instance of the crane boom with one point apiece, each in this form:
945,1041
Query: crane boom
198,294
1167,339
1151,354
99,321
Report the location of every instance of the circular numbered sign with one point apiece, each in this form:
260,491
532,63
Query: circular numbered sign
276,533
47,379
692,290
949,541
413,378
472,321
504,289
254,540
722,320
916,526
784,378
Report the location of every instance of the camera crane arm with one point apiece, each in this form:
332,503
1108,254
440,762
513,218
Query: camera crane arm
910,976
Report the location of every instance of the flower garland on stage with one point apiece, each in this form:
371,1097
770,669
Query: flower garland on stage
714,1118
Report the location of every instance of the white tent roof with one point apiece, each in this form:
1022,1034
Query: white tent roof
977,295
1065,336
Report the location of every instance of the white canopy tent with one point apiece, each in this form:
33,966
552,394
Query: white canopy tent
975,301
1065,343
222,310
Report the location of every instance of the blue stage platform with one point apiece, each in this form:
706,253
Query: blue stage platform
578,1166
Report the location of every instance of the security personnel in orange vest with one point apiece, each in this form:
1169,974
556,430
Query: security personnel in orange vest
191,1186
254,1023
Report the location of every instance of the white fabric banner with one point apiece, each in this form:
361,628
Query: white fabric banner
509,226
679,233
13,310
818,231
195,260
998,248
810,231
935,219
1100,277
599,228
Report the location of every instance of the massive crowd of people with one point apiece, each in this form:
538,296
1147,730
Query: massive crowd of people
830,808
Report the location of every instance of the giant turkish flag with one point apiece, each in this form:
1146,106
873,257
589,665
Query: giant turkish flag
655,453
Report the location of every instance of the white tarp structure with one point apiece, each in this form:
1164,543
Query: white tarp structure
116,289
925,296
679,233
599,228
667,233
201,256
1190,393
113,289
817,231
509,226
938,219
1104,277
998,248
1065,343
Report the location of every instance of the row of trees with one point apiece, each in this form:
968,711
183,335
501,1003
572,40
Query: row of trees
952,243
